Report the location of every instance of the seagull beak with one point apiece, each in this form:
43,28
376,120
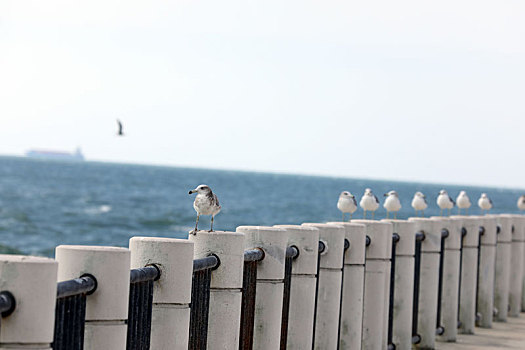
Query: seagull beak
192,191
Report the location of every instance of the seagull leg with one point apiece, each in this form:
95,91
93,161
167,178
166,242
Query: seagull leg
211,228
373,214
350,217
364,214
395,215
440,212
423,213
196,224
387,214
344,216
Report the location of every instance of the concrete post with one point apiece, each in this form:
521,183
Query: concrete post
226,285
403,283
302,289
351,326
502,277
377,284
487,261
31,325
329,292
429,280
107,308
170,319
270,283
469,276
451,262
516,266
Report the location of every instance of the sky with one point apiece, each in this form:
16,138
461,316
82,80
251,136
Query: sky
429,91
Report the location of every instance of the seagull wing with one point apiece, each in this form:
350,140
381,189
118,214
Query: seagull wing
490,201
450,199
377,200
355,202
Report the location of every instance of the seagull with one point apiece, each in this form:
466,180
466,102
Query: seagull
206,203
521,202
369,202
419,203
120,132
392,203
347,204
463,202
484,203
445,202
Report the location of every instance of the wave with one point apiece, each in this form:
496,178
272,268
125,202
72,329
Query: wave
98,210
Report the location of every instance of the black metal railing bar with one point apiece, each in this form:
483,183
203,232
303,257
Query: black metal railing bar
439,328
345,248
463,235
395,239
209,262
86,284
292,253
320,250
420,237
481,232
7,303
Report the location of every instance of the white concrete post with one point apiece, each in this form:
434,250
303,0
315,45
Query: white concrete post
302,289
516,266
224,317
451,261
487,261
429,280
469,277
170,318
270,283
329,292
377,284
31,325
502,277
351,326
107,308
403,283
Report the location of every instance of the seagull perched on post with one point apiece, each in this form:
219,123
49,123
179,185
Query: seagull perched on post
347,203
206,203
419,203
444,201
392,203
484,203
521,202
463,202
369,202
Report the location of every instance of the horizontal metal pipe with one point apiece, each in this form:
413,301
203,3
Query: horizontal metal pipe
368,240
395,238
85,284
440,330
420,236
416,339
143,274
322,247
292,252
7,303
444,233
210,262
256,254
347,245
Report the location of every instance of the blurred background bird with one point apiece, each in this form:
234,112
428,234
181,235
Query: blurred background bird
463,202
347,204
392,203
521,202
484,203
205,203
369,202
444,201
419,203
120,131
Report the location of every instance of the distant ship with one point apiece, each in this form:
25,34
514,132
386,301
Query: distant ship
56,155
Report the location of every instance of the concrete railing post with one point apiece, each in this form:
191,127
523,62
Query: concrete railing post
516,266
403,283
302,289
377,284
351,325
226,285
486,277
451,262
469,275
502,276
107,308
31,324
329,292
170,318
270,283
429,280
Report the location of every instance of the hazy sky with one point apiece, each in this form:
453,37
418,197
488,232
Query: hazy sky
405,90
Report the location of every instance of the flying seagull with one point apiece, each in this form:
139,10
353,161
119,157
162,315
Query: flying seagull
369,202
392,203
120,132
206,203
347,203
419,203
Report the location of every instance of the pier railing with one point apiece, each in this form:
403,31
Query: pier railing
328,286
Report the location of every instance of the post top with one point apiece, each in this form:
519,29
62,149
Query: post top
26,259
371,222
297,227
93,248
347,224
216,233
259,228
322,225
160,240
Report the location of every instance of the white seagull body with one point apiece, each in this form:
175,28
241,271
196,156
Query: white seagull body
521,203
392,203
484,202
419,203
206,203
347,203
444,201
463,201
369,202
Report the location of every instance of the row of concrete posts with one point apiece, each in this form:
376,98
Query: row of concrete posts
390,284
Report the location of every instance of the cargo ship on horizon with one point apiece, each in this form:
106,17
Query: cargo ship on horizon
77,156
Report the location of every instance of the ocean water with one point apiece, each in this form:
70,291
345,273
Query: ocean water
47,203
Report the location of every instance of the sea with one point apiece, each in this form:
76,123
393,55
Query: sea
46,203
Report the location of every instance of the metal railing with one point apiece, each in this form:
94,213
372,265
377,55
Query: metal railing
463,235
140,306
439,328
391,345
200,301
320,251
420,237
70,312
249,287
292,253
481,233
345,248
7,303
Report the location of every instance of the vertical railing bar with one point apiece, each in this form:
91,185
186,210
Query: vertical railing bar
395,239
149,309
321,249
439,328
345,248
420,236
462,242
481,232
